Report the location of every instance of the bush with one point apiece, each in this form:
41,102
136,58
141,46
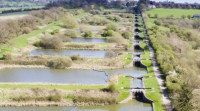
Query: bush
55,31
26,30
51,43
98,20
75,57
110,54
71,33
107,33
59,62
126,35
54,98
107,13
110,88
116,38
95,12
88,34
66,39
69,22
112,26
114,18
7,56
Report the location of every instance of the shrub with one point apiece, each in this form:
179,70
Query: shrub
107,33
54,98
126,35
112,26
37,44
66,39
51,42
55,31
98,20
116,38
59,62
71,33
69,22
7,56
88,34
110,88
107,13
110,54
114,18
95,12
75,57
183,16
26,30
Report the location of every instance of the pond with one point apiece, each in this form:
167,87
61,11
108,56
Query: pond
68,76
82,53
130,106
89,40
95,31
14,15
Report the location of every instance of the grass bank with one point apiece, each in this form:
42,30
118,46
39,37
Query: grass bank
123,82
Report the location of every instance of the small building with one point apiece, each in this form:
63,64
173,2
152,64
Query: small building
196,16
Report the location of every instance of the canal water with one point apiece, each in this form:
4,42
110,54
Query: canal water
89,40
82,53
69,76
14,15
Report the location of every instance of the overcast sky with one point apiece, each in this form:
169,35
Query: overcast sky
181,1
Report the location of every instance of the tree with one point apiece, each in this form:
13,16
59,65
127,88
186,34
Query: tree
69,22
112,26
189,16
184,98
88,34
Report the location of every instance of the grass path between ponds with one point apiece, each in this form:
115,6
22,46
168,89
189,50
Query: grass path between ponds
123,82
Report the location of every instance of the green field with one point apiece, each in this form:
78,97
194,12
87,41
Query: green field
177,13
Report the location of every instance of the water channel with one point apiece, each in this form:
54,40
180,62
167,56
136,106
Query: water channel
89,40
82,53
69,76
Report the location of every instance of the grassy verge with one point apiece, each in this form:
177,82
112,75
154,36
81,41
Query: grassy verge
123,82
65,87
127,58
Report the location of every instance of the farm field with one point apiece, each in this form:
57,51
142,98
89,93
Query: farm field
177,13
